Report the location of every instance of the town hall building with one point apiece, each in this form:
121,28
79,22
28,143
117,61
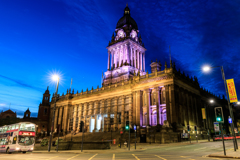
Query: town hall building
130,93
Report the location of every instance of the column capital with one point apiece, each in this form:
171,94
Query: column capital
166,87
91,103
157,88
147,90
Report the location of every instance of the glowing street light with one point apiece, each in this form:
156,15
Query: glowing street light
238,103
207,69
55,78
211,101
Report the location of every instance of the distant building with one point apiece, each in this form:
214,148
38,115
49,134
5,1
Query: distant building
8,114
9,117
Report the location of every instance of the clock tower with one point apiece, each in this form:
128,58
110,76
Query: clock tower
126,52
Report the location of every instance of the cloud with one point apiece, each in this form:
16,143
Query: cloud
21,84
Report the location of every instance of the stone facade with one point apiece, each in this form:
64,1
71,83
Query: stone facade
166,97
8,114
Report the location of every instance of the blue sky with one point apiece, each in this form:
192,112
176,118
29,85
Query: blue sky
41,37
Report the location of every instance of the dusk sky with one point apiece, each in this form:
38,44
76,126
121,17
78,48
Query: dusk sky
40,37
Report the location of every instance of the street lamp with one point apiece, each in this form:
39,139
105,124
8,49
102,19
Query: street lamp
207,69
55,78
207,125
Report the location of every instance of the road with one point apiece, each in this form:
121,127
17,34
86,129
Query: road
177,151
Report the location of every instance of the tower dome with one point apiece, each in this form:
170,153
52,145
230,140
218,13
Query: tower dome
127,20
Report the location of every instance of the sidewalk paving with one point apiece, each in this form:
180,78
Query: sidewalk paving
114,148
230,153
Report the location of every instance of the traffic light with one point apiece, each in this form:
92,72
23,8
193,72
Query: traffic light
81,126
127,127
195,128
188,127
219,114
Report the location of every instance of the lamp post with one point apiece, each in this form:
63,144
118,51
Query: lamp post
55,78
206,69
207,125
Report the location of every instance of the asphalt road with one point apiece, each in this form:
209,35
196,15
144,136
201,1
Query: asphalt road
179,151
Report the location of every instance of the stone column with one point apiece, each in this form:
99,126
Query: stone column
168,104
85,116
65,117
123,112
60,117
138,60
120,55
138,108
131,56
141,67
115,57
144,62
108,114
149,110
56,119
74,117
95,115
112,59
115,114
128,54
90,108
134,107
102,113
79,116
135,58
130,109
157,104
108,67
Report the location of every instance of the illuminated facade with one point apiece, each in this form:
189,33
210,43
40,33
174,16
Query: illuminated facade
166,96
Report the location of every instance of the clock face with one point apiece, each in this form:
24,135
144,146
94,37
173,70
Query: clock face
133,34
121,33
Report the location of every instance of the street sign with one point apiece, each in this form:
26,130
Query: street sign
231,90
216,126
185,135
203,113
230,120
134,127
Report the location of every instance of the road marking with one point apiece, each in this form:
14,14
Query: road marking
199,148
160,157
113,157
52,157
73,157
92,157
135,157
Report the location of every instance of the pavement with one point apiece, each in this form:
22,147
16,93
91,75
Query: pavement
203,150
230,153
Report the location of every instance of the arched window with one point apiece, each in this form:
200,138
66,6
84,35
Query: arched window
45,111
